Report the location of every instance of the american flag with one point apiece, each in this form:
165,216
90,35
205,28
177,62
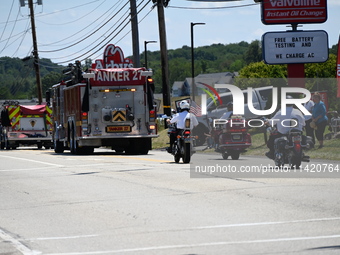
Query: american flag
195,109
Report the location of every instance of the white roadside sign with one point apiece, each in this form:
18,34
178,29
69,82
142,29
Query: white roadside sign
295,47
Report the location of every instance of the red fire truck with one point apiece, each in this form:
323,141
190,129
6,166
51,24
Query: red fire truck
111,105
25,125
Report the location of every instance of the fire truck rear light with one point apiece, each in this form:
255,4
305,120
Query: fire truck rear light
150,80
152,115
84,114
152,127
106,90
133,90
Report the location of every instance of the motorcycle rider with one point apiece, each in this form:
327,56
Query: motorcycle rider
228,114
284,123
179,119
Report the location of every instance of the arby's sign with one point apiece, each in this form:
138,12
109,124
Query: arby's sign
114,69
293,11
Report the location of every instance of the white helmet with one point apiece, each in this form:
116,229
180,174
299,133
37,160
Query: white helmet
184,105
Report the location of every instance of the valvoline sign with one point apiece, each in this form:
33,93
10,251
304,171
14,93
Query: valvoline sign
294,11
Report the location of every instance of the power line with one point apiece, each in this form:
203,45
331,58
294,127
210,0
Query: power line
86,37
51,13
211,8
85,27
9,14
111,38
82,5
10,35
84,16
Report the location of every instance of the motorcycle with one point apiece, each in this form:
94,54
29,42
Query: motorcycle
233,138
183,144
289,149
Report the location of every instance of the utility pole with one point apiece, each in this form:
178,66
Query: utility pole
35,51
135,36
164,56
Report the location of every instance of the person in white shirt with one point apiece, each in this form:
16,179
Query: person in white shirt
284,123
180,120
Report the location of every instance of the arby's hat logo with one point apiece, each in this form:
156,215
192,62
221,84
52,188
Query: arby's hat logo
113,57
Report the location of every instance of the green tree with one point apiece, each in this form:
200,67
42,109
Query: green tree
50,79
253,53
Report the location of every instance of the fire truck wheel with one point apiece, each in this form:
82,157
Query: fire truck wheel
73,143
58,146
39,145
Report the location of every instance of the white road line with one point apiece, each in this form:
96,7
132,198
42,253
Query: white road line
27,169
265,223
17,245
59,237
199,245
31,160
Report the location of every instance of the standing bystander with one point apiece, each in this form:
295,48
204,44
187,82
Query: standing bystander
319,117
308,119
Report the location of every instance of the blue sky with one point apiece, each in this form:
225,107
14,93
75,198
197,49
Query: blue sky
62,23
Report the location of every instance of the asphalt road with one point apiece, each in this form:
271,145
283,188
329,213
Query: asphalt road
108,203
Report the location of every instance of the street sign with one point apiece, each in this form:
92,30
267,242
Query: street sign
295,47
293,11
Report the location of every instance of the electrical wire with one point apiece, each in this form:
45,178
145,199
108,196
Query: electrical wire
85,27
86,37
102,42
9,14
211,8
126,17
13,36
84,16
125,20
124,27
51,13
82,5
23,38
10,34
130,30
